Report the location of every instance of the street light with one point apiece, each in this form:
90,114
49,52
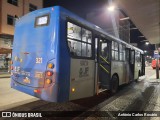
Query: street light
147,43
111,8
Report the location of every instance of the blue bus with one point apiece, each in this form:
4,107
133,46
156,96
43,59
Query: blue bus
58,56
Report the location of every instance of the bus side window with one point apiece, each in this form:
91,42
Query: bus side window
84,52
71,48
124,52
79,40
116,51
89,50
77,47
104,50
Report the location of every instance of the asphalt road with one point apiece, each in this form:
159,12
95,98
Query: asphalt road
141,96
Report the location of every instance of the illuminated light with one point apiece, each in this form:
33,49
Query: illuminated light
37,91
48,81
52,9
49,73
42,20
73,89
147,43
50,65
145,51
111,8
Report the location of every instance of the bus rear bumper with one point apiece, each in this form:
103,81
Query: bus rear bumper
47,94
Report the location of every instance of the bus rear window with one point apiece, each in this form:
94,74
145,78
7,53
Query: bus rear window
42,20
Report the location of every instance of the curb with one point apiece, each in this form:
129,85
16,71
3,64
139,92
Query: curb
6,77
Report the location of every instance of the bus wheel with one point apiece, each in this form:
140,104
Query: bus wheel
114,84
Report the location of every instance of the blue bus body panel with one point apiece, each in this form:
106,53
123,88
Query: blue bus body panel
64,60
30,43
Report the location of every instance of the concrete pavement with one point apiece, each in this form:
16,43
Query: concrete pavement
4,75
10,98
143,96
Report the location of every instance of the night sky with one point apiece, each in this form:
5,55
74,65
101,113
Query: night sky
82,7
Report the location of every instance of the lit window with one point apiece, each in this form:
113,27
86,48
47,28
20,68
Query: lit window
115,53
79,40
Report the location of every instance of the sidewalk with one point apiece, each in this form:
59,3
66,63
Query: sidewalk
4,75
10,98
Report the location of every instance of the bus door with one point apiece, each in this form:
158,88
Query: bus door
127,65
104,63
142,64
132,64
130,55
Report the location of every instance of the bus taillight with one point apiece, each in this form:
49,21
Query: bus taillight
49,73
50,65
37,91
48,81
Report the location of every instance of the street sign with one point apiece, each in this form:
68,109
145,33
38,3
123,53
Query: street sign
156,54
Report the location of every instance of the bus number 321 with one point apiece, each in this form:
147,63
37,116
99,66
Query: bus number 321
38,60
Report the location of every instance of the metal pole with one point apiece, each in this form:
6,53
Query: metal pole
157,68
157,61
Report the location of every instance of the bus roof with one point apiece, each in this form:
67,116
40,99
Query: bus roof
97,28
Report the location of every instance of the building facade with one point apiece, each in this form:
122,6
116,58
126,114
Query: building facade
9,9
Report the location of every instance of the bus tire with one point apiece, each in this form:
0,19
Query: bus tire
114,84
